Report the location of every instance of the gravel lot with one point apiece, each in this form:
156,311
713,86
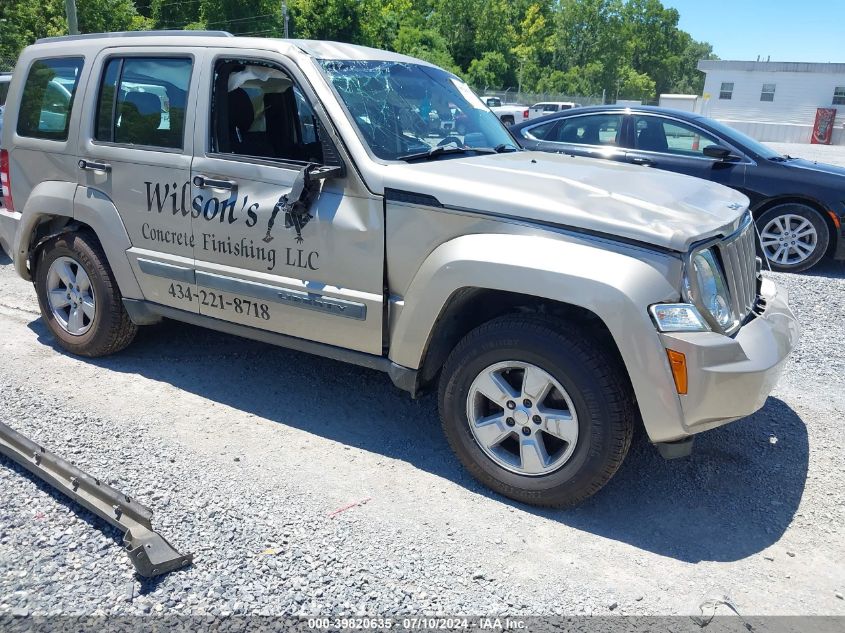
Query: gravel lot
833,154
243,451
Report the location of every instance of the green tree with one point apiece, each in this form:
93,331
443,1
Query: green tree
578,80
326,20
626,47
489,71
687,79
425,44
24,21
590,31
100,16
168,14
533,35
493,29
239,17
653,41
455,21
635,85
382,19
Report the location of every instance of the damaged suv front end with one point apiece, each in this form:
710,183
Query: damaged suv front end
702,354
728,340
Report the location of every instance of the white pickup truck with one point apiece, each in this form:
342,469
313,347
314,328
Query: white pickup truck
508,114
549,107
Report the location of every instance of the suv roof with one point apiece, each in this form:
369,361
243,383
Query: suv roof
319,49
112,34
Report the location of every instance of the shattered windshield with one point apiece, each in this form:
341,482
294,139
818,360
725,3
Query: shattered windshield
404,111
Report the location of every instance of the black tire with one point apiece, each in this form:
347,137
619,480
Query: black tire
601,396
803,211
111,329
508,120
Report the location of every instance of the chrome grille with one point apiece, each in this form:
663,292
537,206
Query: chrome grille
739,257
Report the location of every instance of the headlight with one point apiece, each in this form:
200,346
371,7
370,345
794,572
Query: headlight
677,317
710,290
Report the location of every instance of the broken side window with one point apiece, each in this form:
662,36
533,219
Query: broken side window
258,111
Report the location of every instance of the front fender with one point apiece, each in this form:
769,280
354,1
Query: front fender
615,282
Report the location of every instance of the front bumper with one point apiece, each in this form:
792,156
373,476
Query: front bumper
731,377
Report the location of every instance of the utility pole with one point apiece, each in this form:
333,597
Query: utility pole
284,17
70,9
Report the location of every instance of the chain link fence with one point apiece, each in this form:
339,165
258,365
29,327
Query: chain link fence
530,98
7,64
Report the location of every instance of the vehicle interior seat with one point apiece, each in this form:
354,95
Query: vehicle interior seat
569,134
241,116
282,129
652,138
591,135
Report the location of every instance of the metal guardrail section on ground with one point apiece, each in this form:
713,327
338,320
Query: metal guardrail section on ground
149,552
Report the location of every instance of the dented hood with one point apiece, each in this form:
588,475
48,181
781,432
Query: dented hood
633,202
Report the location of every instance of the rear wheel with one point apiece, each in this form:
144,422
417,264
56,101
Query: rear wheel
536,410
793,236
79,298
508,120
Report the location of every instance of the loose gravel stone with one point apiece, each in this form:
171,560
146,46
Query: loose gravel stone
166,419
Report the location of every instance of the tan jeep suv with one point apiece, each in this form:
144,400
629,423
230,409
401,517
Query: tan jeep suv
295,192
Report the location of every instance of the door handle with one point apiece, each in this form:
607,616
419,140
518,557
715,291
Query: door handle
91,165
204,182
639,160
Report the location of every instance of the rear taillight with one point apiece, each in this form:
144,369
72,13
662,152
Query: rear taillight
525,114
5,180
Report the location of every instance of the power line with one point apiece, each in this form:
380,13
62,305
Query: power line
178,4
255,33
252,17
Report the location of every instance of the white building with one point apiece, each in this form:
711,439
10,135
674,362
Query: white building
690,103
773,101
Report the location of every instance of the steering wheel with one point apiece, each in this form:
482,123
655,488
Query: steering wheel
451,139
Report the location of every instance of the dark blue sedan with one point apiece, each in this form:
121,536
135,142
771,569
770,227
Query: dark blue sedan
798,205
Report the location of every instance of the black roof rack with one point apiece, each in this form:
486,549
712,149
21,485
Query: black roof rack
95,36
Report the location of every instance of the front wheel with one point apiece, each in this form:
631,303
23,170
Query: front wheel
536,410
79,298
793,237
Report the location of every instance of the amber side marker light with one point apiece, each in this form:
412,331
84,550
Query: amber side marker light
678,363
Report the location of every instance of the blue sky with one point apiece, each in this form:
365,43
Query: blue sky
788,30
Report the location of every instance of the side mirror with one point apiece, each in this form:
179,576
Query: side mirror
719,152
326,172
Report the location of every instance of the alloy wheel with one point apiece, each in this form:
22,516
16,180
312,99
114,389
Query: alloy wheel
789,239
71,296
522,418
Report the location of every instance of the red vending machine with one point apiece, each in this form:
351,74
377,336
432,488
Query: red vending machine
823,127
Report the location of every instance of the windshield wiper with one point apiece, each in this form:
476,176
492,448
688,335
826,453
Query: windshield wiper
434,152
443,150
